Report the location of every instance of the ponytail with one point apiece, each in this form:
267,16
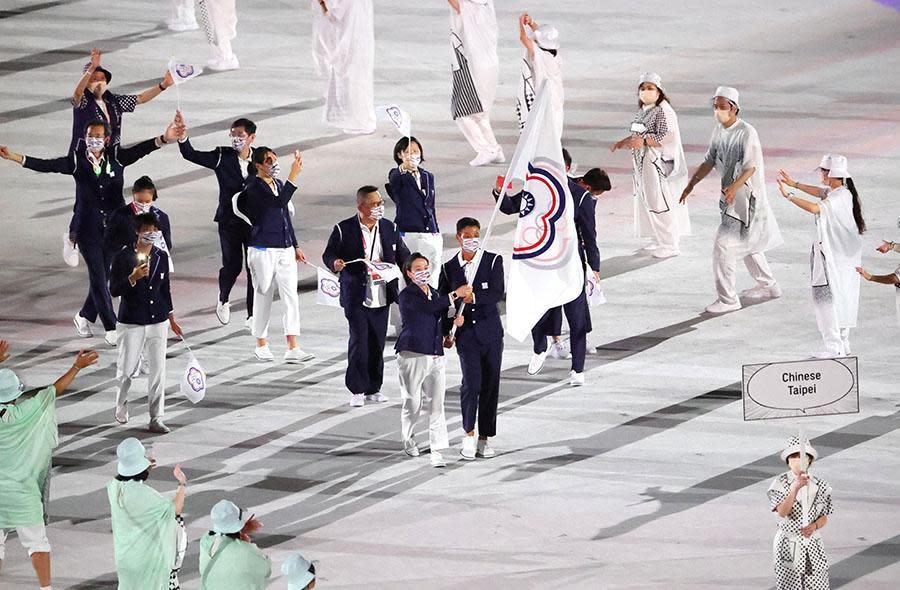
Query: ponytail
857,206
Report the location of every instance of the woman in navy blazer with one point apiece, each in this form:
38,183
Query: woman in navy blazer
420,357
411,187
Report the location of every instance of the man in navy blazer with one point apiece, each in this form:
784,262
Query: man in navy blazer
364,297
98,169
230,165
479,341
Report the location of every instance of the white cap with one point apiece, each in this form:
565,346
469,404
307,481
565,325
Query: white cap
10,386
825,164
728,93
838,167
651,77
227,517
793,446
547,37
132,457
296,570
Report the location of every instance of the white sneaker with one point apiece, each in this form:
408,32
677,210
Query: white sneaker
376,398
248,323
537,363
357,400
82,326
410,448
297,355
650,247
179,26
484,450
122,414
224,64
499,158
223,312
827,354
158,426
719,307
482,159
262,353
112,337
70,251
664,253
559,351
468,448
576,379
437,460
761,292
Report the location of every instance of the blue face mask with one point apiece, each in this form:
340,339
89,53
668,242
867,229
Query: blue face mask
95,144
275,170
421,277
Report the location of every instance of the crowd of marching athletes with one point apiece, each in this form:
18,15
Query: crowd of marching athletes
383,266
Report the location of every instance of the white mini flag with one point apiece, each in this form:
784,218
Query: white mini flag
545,270
384,271
328,289
183,72
594,291
400,118
193,382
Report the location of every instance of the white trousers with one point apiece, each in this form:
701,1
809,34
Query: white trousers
836,339
182,12
32,537
423,381
478,132
152,341
271,268
726,251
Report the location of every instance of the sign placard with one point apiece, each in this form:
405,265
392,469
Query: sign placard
799,389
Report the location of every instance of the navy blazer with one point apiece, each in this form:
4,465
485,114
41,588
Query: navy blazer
346,243
421,319
268,213
120,230
230,173
149,301
585,221
482,318
87,110
415,208
96,197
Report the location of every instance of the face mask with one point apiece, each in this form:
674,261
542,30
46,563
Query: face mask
415,160
275,170
97,89
723,116
238,143
142,207
471,244
95,144
150,237
377,212
649,96
421,277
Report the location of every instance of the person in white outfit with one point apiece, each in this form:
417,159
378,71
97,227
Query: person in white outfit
541,63
344,53
888,279
474,64
181,16
272,254
660,171
748,227
219,21
420,357
836,251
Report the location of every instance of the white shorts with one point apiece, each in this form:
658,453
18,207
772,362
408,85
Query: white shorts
32,537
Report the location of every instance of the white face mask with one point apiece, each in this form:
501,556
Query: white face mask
415,160
649,97
275,170
722,116
95,144
142,207
150,237
238,143
377,213
421,277
471,244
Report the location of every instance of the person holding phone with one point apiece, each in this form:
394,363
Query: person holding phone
228,558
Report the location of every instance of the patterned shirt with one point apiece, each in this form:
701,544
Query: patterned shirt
88,110
654,120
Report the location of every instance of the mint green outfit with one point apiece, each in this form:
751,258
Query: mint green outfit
231,564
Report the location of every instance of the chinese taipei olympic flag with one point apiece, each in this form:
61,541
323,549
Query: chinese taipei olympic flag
545,271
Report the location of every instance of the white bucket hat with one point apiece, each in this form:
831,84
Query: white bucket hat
651,77
10,386
547,37
728,93
838,167
296,570
825,164
227,518
132,457
793,446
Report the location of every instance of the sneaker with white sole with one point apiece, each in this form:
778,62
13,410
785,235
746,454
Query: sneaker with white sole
650,247
498,158
558,350
664,253
827,354
721,307
122,414
112,338
223,312
180,26
376,398
537,363
82,326
410,448
262,353
484,450
576,379
158,426
70,251
762,292
357,400
224,64
468,448
297,355
437,460
482,159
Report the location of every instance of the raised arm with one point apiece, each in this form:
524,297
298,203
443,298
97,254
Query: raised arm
61,165
807,206
130,155
84,358
526,21
85,79
154,91
816,191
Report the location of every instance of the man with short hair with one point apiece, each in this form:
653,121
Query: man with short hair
364,296
98,169
748,227
28,435
230,163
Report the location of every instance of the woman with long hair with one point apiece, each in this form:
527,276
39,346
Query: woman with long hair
836,250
